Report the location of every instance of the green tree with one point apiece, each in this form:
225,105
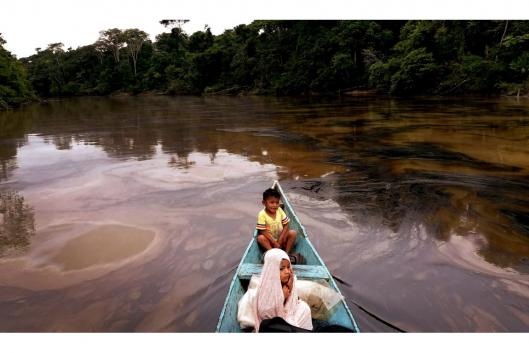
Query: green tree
15,88
113,40
134,38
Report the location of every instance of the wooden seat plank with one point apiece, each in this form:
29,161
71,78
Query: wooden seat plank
301,271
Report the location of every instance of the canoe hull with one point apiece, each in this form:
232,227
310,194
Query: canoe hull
313,269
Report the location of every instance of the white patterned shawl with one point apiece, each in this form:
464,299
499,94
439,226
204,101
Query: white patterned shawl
269,302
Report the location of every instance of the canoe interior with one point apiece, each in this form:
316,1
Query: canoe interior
313,269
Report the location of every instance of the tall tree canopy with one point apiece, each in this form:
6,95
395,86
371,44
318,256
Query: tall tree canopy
134,39
295,57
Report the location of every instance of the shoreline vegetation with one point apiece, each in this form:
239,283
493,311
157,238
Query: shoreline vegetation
281,58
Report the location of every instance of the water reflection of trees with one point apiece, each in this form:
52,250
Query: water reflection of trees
380,179
17,222
126,128
487,205
12,136
60,142
180,162
7,165
398,172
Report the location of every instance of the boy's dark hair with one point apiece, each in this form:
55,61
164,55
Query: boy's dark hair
271,193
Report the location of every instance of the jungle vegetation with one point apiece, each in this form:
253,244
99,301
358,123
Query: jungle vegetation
295,57
15,87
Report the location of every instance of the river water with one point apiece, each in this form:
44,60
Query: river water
130,214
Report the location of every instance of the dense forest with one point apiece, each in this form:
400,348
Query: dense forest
399,58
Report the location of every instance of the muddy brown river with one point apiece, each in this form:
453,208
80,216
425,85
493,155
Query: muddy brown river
131,213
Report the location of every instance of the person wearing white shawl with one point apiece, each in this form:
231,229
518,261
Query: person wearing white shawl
277,295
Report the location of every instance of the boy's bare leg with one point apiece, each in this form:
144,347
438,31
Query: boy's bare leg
290,240
264,242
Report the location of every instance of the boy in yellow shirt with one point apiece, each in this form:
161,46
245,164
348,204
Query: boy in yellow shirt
272,224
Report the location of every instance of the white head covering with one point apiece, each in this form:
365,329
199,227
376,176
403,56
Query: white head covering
270,301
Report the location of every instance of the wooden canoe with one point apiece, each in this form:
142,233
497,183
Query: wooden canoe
313,269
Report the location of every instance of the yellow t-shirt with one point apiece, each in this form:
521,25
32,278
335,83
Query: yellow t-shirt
264,221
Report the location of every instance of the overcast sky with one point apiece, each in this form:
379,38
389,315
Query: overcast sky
28,24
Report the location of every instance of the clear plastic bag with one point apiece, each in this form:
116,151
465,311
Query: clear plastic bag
320,297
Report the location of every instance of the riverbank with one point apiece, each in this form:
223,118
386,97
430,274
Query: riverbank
234,93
